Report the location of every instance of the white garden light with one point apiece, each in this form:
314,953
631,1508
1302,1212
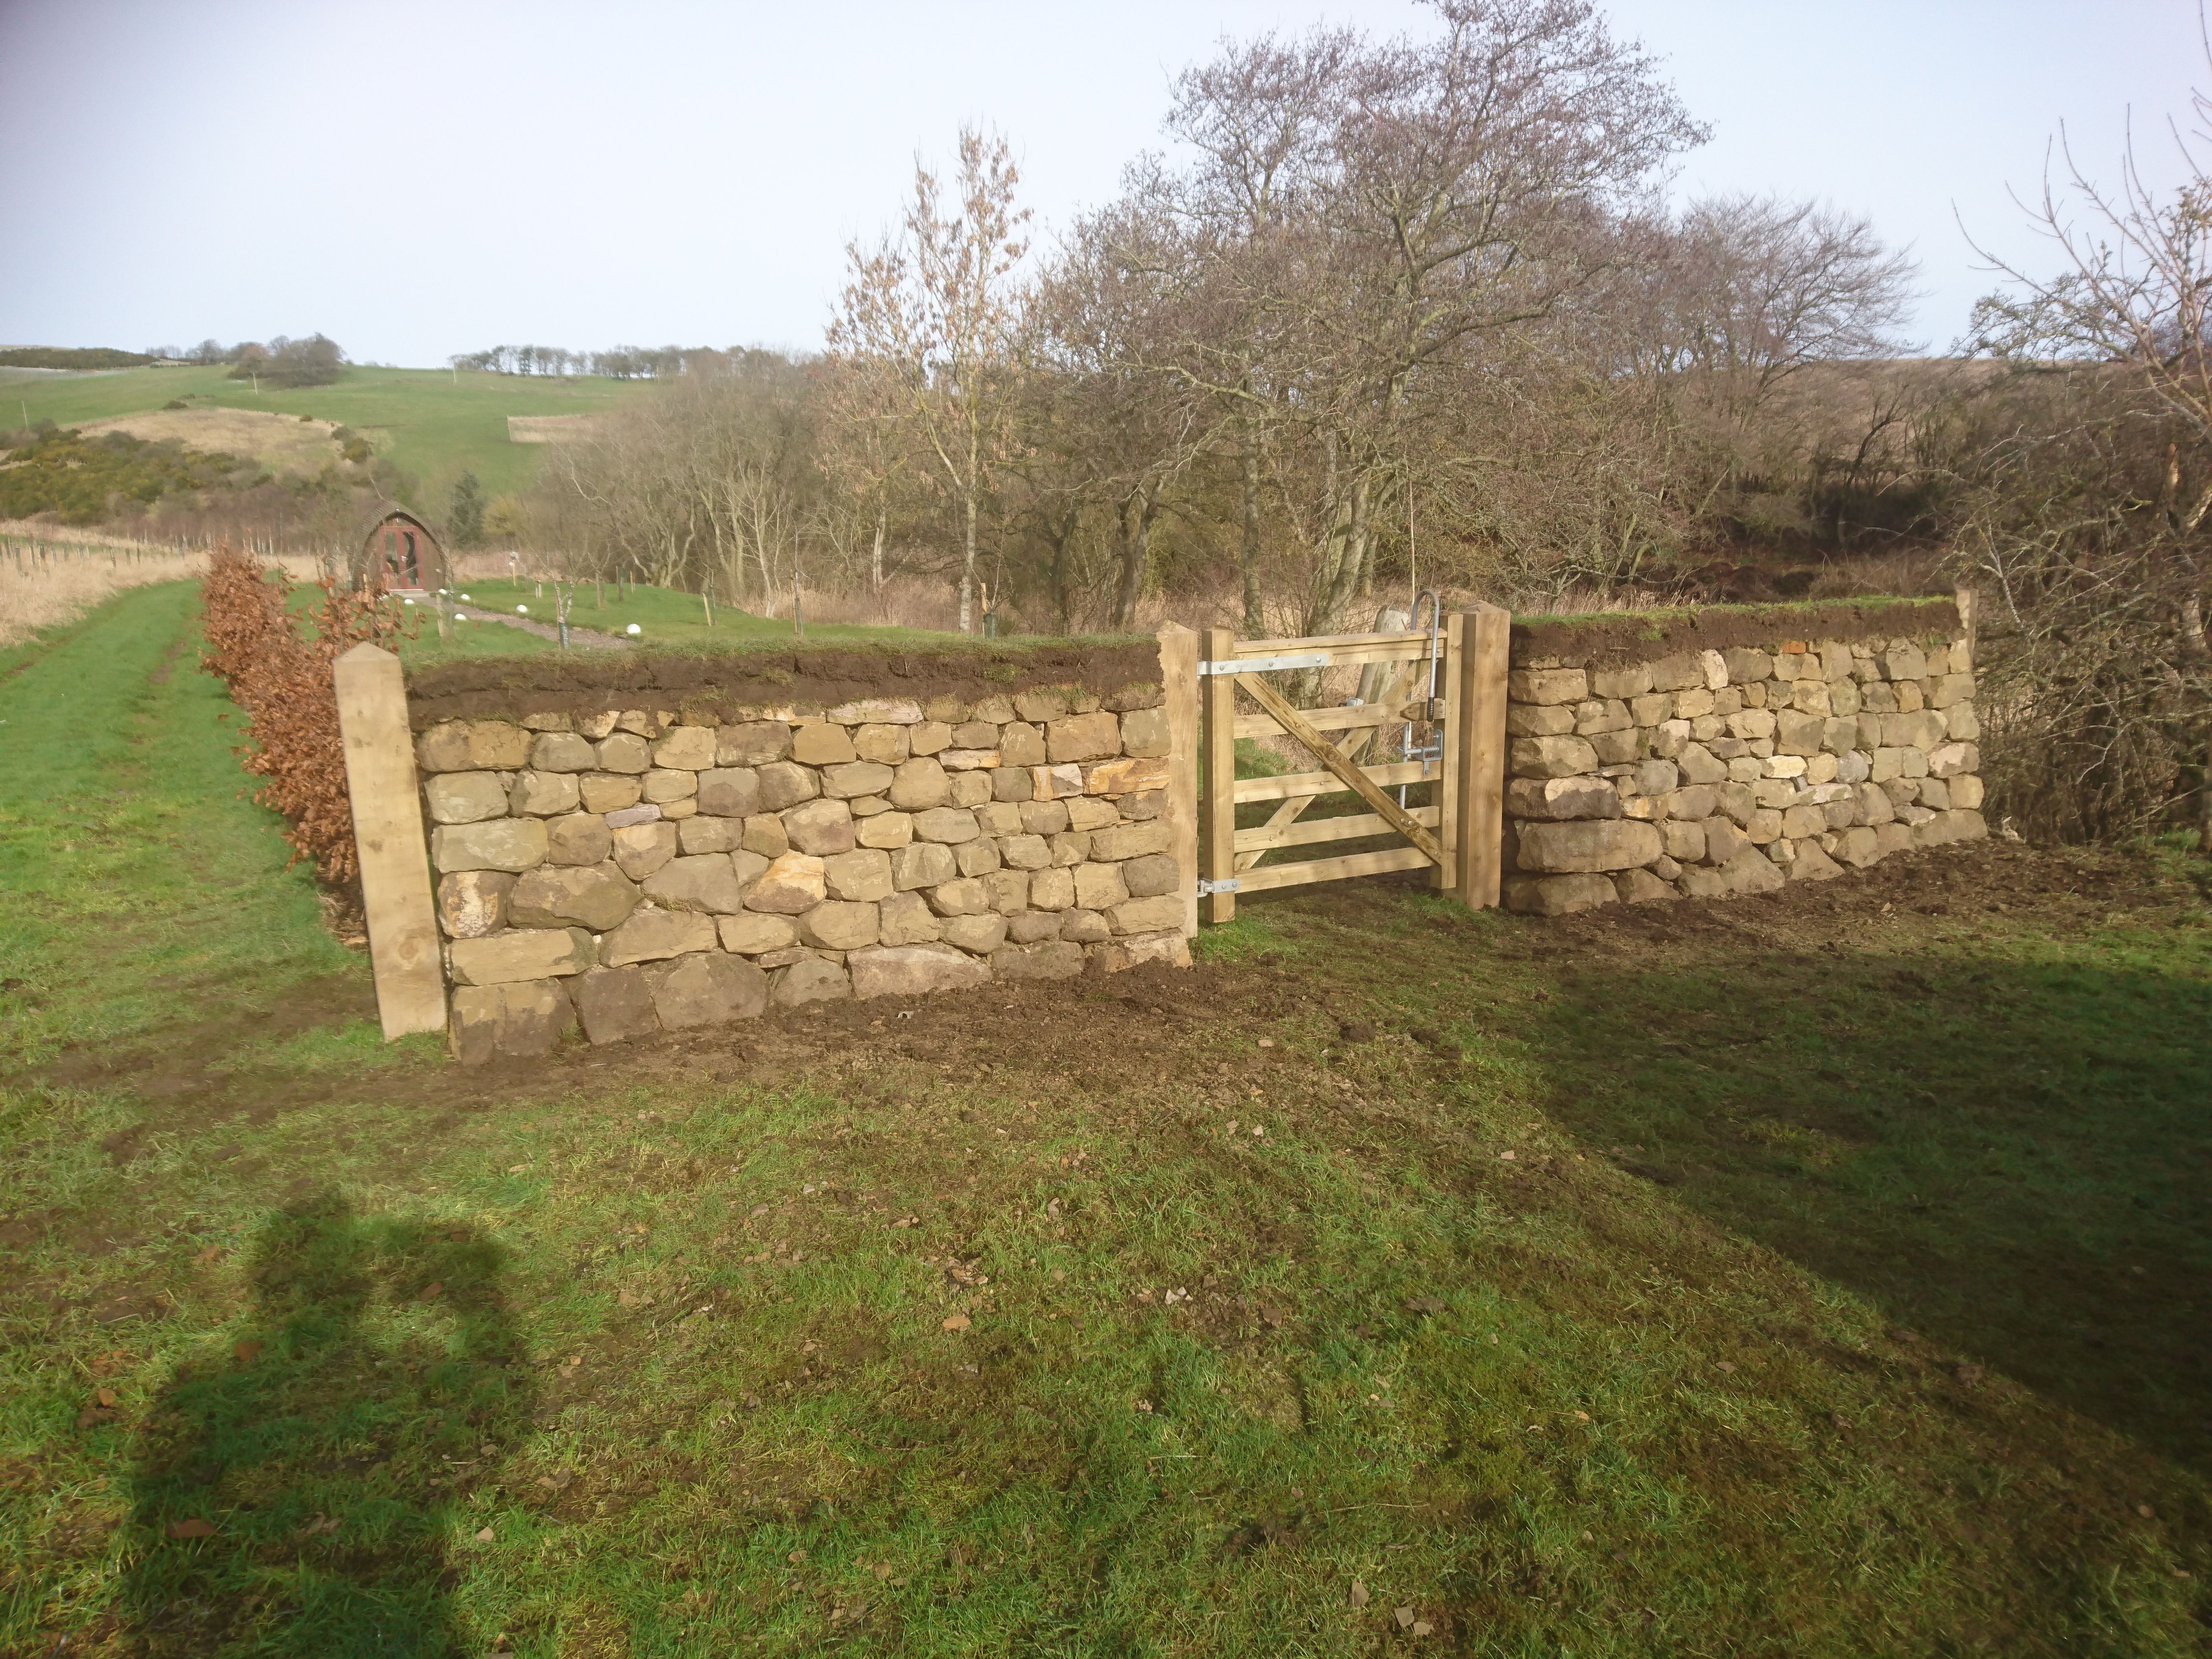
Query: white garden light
465,600
522,611
634,629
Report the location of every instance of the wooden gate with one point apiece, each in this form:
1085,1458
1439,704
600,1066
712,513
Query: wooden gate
1456,834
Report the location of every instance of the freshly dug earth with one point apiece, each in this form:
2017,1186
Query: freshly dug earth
721,683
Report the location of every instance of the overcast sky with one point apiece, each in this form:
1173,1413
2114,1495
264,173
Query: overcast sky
417,179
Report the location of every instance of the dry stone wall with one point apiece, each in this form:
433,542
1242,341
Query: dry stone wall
1710,773
633,870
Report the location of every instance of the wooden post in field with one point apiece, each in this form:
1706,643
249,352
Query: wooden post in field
1484,658
1449,674
1969,604
1179,680
1219,703
387,827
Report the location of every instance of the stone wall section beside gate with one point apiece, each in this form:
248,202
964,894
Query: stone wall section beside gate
630,872
1712,773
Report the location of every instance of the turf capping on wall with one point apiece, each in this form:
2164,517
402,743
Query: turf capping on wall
1607,638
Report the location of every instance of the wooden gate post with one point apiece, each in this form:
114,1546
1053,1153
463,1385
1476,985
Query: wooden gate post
387,828
1451,690
1179,680
1487,654
1218,700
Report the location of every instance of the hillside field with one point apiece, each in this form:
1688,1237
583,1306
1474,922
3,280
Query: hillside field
427,421
1823,1273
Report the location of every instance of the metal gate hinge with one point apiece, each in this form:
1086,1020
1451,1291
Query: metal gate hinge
1206,886
1263,664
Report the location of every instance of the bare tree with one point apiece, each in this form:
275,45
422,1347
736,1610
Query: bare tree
939,312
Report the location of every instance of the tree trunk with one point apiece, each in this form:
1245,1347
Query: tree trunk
1135,524
968,571
876,554
1247,554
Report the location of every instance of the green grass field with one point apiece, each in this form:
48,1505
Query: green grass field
1818,1274
427,421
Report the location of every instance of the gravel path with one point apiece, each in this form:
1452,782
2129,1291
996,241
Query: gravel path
590,636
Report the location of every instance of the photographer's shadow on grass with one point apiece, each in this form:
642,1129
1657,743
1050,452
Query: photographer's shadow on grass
308,1485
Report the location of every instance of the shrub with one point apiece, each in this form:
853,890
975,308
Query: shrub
277,664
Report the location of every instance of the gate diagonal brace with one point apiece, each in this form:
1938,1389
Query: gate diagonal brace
1324,751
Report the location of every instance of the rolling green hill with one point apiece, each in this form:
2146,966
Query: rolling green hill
425,421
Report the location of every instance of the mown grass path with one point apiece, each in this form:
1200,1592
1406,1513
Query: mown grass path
1822,1274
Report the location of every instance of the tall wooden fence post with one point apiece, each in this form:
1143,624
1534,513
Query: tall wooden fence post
1484,660
1451,690
1179,680
1969,622
1219,703
387,827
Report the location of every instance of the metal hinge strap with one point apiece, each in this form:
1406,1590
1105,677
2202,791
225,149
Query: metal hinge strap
1264,664
1206,886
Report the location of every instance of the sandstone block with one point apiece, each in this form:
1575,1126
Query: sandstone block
1026,852
1128,841
1053,889
810,979
1084,927
729,792
1580,846
707,989
1697,800
498,747
1632,681
977,935
863,875
823,745
975,734
923,864
516,844
1043,817
1010,784
1598,716
608,792
1153,874
1893,838
534,953
643,812
444,748
641,848
1146,916
1904,660
947,825
1797,732
1860,847
465,796
753,933
1144,733
1047,959
1699,764
1683,842
1033,926
518,1019
699,834
1723,839
1099,886
1020,744
1966,794
616,1004
913,970
654,935
1951,760
542,794
1125,777
1055,783
1641,887
664,787
1531,719
964,897
1552,758
1558,896
1954,824
1008,890
820,826
1548,686
972,789
883,744
473,903
1082,738
966,760
930,736
755,742
708,882
625,751
790,886
1910,697
1961,721
840,925
886,830
1752,724
1692,704
979,857
1736,799
920,785
595,897
686,748
786,783
764,834
1617,748
1812,863
907,919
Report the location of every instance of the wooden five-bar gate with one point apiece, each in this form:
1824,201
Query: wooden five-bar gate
1446,680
